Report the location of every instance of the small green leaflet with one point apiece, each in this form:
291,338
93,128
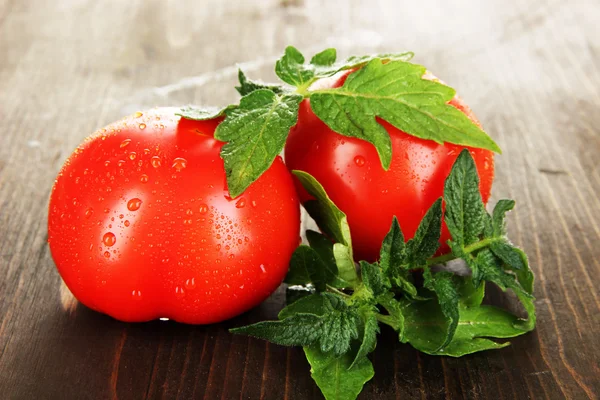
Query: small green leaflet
426,240
307,267
374,279
332,331
318,304
247,85
334,376
442,284
203,114
292,69
256,132
464,208
392,249
397,93
325,249
368,337
426,328
395,315
333,223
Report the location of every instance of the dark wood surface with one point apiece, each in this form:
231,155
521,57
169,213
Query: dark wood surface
530,70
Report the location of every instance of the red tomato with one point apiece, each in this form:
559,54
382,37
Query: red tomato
350,171
141,225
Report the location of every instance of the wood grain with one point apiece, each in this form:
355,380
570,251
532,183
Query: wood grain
530,70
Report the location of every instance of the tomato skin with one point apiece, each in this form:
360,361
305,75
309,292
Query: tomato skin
350,171
141,225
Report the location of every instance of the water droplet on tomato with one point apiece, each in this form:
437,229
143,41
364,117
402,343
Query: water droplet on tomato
155,161
240,203
106,254
132,155
120,163
138,114
109,239
89,212
106,210
136,294
179,164
126,222
142,126
125,142
106,163
134,204
359,161
189,211
179,291
190,284
144,178
262,268
203,209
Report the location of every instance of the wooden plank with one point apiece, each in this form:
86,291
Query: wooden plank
530,70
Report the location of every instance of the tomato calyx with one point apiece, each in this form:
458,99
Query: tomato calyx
384,86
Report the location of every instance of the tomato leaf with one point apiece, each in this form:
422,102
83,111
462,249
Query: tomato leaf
333,223
325,248
395,313
256,132
317,303
443,285
464,208
203,114
332,330
292,69
397,93
307,267
426,240
248,86
338,377
368,337
426,327
392,252
374,279
499,216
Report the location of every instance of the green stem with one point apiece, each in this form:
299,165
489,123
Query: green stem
388,320
303,89
469,249
336,291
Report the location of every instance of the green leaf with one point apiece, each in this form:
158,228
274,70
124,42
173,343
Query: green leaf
491,270
329,217
394,309
291,68
306,263
333,223
297,330
393,247
326,58
397,93
426,240
465,213
332,331
425,328
256,132
248,86
317,304
368,338
374,279
470,295
324,247
293,293
203,114
334,376
509,254
442,284
499,216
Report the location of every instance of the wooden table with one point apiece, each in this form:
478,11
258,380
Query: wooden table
531,71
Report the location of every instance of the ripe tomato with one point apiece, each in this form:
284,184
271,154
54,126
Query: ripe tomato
350,171
141,225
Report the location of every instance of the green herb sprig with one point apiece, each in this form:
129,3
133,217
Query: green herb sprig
339,313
